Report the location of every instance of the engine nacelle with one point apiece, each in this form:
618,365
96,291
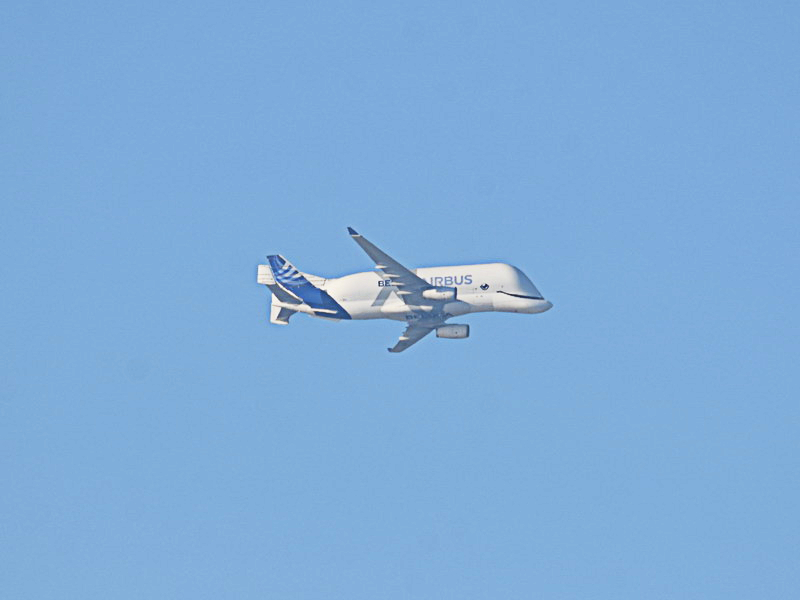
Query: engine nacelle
440,293
453,332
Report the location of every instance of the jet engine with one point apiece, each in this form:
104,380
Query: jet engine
453,332
440,293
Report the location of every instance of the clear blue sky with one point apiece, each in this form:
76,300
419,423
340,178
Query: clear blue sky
160,439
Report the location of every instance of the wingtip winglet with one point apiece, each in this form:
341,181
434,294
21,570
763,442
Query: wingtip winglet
352,231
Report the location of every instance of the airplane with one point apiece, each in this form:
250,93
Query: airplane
423,298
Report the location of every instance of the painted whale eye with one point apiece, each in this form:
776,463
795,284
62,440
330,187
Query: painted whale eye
485,286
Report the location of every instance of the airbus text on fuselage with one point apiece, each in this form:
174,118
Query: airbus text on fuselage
423,298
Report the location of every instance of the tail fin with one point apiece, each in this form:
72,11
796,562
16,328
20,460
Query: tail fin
265,277
291,286
285,273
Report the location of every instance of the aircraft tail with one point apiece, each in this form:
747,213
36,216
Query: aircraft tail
279,315
289,286
289,276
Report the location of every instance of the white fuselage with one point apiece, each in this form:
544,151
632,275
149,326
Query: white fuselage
480,288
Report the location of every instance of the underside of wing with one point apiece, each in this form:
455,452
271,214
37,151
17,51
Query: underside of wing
406,282
411,336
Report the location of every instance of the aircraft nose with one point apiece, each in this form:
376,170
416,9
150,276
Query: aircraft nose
539,306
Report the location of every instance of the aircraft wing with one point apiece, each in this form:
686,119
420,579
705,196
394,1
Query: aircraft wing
402,278
411,336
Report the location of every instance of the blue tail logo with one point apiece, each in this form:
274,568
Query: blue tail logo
286,273
319,300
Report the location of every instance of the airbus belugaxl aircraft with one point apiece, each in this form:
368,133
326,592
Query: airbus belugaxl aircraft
423,298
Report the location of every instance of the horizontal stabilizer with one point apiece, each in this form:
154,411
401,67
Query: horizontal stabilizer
280,314
265,276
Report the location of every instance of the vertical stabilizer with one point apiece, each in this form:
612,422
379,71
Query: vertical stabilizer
265,277
291,287
298,285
